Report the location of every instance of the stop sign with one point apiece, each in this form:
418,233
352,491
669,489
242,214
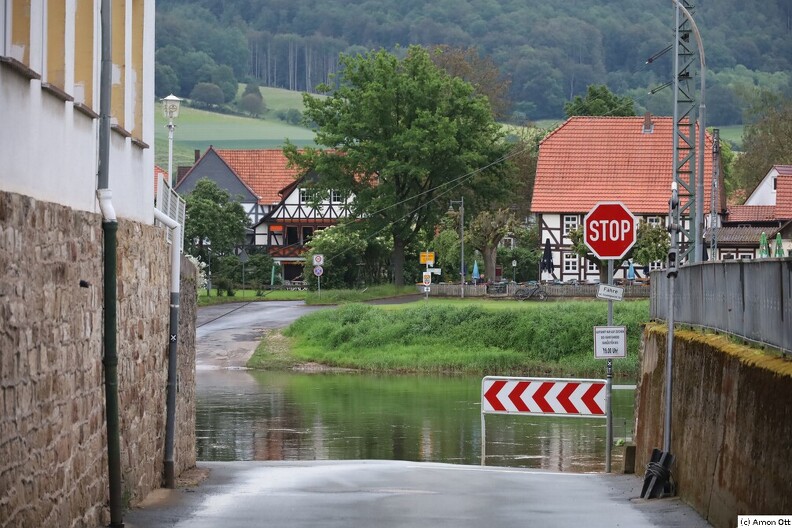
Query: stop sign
609,230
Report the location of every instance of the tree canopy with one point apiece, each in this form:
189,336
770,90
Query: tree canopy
766,142
599,101
403,137
213,218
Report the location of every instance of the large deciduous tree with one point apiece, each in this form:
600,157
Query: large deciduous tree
766,142
212,217
404,137
486,231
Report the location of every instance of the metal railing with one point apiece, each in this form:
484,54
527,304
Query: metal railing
751,299
169,202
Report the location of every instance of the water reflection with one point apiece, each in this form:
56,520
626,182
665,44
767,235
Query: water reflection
243,415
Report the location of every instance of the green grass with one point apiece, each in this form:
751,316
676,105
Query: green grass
471,337
197,129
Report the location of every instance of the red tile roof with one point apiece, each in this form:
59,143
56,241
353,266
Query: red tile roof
783,207
265,172
751,213
591,159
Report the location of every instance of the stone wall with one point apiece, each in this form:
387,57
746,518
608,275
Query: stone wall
731,423
53,463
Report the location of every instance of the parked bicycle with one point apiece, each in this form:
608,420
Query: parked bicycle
535,291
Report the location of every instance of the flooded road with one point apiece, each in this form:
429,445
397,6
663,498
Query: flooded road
247,415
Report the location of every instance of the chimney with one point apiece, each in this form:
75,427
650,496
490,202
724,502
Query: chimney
648,126
197,155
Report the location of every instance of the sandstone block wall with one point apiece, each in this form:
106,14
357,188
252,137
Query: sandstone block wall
53,463
731,423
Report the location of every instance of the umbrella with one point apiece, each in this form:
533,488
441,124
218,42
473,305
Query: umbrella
547,258
475,275
779,246
764,247
631,272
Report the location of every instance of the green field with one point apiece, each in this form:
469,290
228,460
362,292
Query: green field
198,129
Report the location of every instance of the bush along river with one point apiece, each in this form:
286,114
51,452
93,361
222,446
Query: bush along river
270,415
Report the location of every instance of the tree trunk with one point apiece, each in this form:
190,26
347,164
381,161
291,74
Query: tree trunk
490,254
397,261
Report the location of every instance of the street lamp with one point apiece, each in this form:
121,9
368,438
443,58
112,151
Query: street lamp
461,204
170,109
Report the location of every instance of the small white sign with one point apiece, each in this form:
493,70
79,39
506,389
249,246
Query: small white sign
610,342
434,271
318,270
426,289
318,260
611,293
427,278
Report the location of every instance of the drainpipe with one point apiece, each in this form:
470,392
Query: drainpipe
170,421
110,230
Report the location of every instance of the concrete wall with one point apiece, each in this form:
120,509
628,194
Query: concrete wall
731,430
53,463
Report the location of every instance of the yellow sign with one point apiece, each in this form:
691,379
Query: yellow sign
427,257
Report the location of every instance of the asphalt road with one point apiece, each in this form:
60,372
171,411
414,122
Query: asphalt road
336,494
227,334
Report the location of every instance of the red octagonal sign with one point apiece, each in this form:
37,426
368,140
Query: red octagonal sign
609,230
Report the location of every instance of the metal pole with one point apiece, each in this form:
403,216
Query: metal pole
483,440
672,272
609,384
170,126
462,242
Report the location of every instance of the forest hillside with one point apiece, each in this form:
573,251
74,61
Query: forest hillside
549,51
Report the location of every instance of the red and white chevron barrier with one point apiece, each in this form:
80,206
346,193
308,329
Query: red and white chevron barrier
543,396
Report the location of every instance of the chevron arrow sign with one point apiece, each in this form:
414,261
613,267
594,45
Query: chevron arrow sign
543,396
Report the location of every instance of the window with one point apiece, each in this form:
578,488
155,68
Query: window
657,264
17,41
307,233
570,263
591,266
570,223
775,183
336,197
653,221
291,236
746,257
306,195
506,242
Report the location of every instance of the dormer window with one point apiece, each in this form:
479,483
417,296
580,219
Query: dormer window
775,183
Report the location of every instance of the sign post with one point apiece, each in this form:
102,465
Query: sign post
609,231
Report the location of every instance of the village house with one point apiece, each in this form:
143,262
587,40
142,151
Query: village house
768,210
587,160
282,212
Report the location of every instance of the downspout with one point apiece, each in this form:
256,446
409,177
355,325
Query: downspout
110,231
170,420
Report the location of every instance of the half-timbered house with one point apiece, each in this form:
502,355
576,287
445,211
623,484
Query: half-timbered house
587,160
279,208
289,225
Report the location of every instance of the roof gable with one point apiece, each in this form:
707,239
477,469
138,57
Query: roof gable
265,171
214,167
592,159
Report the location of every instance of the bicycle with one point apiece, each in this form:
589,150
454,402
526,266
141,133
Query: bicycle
526,293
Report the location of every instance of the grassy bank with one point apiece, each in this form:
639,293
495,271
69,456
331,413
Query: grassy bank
537,339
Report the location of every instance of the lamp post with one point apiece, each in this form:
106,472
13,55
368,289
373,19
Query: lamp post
451,205
170,109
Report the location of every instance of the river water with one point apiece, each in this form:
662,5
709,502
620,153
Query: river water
253,415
